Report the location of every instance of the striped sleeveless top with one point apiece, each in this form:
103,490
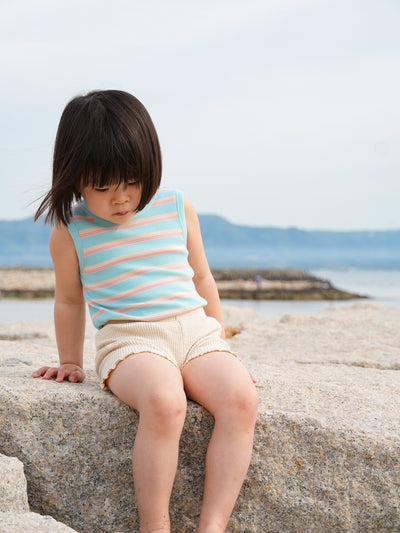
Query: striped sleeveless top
138,270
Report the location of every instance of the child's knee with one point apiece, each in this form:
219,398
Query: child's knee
165,410
247,403
241,407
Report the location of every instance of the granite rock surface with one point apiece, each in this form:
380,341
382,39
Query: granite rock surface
327,444
31,523
15,516
13,495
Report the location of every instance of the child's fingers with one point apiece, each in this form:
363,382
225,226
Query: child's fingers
77,376
40,372
61,373
47,372
74,375
50,373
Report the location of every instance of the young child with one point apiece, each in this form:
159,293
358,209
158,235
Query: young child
134,253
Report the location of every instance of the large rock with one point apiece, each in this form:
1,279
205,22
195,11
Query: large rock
327,444
31,523
14,509
13,497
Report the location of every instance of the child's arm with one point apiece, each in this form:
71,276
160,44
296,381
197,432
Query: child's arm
203,278
69,309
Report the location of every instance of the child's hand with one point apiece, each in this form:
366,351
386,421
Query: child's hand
70,372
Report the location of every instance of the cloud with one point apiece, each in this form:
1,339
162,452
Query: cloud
256,97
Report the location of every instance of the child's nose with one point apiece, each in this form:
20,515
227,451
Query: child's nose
120,194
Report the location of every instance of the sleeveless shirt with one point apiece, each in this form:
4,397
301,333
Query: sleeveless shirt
138,270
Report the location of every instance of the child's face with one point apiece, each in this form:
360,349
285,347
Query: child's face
114,203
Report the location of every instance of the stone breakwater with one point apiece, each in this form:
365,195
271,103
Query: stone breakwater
232,284
27,282
327,441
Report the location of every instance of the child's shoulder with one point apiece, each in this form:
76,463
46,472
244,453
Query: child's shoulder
60,238
168,195
79,209
168,191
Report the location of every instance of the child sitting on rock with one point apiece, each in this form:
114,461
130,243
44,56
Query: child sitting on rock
133,251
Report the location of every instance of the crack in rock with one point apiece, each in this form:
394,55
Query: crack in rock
359,364
13,361
21,336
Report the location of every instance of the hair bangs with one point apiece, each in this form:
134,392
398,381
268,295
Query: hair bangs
110,155
109,173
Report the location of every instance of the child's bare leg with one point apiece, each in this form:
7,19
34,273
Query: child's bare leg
154,387
220,383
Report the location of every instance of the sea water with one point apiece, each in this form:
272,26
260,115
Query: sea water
381,286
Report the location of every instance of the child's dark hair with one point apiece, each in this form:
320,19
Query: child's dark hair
103,138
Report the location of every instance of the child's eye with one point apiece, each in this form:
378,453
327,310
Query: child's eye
133,183
101,189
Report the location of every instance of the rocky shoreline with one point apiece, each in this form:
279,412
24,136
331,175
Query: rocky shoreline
239,284
276,284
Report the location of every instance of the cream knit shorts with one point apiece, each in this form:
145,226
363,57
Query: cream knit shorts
179,339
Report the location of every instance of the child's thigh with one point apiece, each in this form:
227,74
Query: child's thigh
218,379
142,378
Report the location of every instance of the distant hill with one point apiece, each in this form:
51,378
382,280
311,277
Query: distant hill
245,246
24,243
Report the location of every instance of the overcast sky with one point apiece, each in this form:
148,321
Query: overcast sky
269,112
